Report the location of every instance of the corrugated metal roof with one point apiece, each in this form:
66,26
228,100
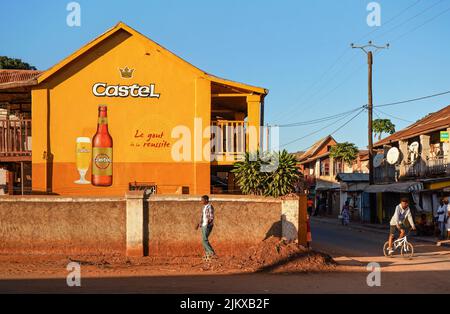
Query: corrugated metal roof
434,121
15,76
353,177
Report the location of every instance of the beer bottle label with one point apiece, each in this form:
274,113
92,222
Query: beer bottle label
102,120
102,161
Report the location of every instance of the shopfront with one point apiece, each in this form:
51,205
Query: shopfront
157,110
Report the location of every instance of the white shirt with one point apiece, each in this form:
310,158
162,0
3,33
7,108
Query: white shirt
205,216
443,211
406,213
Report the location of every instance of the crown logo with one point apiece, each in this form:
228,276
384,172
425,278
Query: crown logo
126,73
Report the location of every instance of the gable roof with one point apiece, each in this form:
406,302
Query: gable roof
124,27
432,122
315,148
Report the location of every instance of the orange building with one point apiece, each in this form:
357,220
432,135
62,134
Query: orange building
160,110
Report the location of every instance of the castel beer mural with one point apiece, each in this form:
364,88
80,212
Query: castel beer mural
107,119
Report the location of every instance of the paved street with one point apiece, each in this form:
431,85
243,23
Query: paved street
428,271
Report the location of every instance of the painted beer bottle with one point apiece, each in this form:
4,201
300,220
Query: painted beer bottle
102,151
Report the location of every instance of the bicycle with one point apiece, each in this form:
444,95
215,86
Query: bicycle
406,248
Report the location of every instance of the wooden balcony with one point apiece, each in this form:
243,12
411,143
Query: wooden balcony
15,140
229,141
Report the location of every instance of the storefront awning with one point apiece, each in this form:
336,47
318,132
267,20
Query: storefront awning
400,187
326,185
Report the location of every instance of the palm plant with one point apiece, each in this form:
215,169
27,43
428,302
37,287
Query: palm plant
381,126
270,174
347,152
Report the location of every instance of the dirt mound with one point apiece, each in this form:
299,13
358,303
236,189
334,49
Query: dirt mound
276,255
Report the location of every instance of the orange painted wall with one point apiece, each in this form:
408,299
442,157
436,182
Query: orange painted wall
64,108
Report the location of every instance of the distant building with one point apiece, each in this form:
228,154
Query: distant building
422,171
319,172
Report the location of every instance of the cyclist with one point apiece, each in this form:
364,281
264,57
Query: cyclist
401,214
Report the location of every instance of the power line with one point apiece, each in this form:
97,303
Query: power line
424,23
319,120
403,11
412,100
409,19
361,111
318,80
392,116
293,108
323,128
342,82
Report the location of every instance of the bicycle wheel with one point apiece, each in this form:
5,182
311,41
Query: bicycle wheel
386,249
407,250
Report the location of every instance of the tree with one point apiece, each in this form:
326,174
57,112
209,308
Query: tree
381,126
14,64
347,152
270,174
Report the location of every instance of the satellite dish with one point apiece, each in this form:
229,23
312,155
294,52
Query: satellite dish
413,151
393,155
377,160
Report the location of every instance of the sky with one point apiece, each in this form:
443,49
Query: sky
299,50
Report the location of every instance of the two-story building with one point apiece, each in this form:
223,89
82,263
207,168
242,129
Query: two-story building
320,176
174,127
421,170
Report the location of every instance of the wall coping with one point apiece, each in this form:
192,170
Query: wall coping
59,199
153,198
214,198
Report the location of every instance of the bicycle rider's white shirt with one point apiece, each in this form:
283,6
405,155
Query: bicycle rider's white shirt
406,212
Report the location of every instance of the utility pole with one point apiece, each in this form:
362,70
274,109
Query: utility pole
369,49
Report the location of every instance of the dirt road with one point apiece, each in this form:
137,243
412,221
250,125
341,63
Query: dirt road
428,272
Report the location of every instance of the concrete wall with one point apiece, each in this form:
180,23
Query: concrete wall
62,225
239,223
162,225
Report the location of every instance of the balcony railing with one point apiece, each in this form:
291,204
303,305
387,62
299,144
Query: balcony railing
15,138
229,140
431,167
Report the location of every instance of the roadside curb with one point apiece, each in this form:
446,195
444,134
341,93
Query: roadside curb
372,229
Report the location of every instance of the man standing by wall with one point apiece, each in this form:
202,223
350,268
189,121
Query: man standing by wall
207,223
442,216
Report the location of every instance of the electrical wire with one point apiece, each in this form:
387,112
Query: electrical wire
409,19
323,128
403,11
319,120
392,116
419,26
413,99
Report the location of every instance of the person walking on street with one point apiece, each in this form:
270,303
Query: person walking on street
401,215
206,224
442,213
345,213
